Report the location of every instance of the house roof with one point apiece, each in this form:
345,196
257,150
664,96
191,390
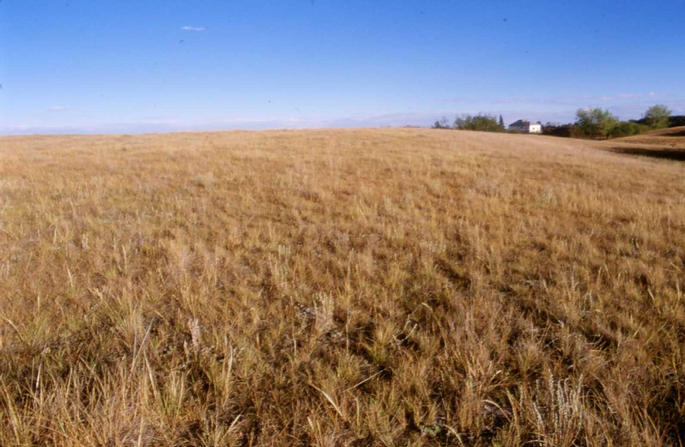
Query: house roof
522,123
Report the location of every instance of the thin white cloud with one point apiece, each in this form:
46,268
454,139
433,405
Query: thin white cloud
56,108
192,28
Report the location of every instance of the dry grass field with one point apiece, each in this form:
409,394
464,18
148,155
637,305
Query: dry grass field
340,287
664,143
673,137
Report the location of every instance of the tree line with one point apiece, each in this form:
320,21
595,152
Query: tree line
590,123
483,122
600,123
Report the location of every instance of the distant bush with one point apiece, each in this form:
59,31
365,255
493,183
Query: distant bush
676,120
442,124
671,121
593,129
481,122
595,123
626,129
657,116
560,130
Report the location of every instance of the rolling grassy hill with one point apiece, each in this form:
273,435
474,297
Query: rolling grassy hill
662,143
670,137
340,287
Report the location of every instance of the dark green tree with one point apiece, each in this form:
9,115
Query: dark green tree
657,116
443,123
501,122
595,123
481,122
626,129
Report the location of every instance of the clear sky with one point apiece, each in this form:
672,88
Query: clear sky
131,66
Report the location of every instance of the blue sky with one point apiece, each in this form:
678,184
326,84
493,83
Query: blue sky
133,66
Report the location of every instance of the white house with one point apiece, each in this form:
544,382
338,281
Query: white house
526,126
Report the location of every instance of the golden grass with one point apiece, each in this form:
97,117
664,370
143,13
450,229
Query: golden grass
673,137
339,287
663,143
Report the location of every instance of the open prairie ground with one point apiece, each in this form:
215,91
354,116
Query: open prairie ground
340,287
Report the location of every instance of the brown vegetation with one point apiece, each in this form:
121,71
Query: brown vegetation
339,287
663,143
673,137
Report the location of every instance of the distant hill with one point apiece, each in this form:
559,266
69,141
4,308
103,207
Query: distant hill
670,137
663,143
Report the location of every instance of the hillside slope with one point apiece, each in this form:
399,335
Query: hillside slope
339,287
670,136
662,143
